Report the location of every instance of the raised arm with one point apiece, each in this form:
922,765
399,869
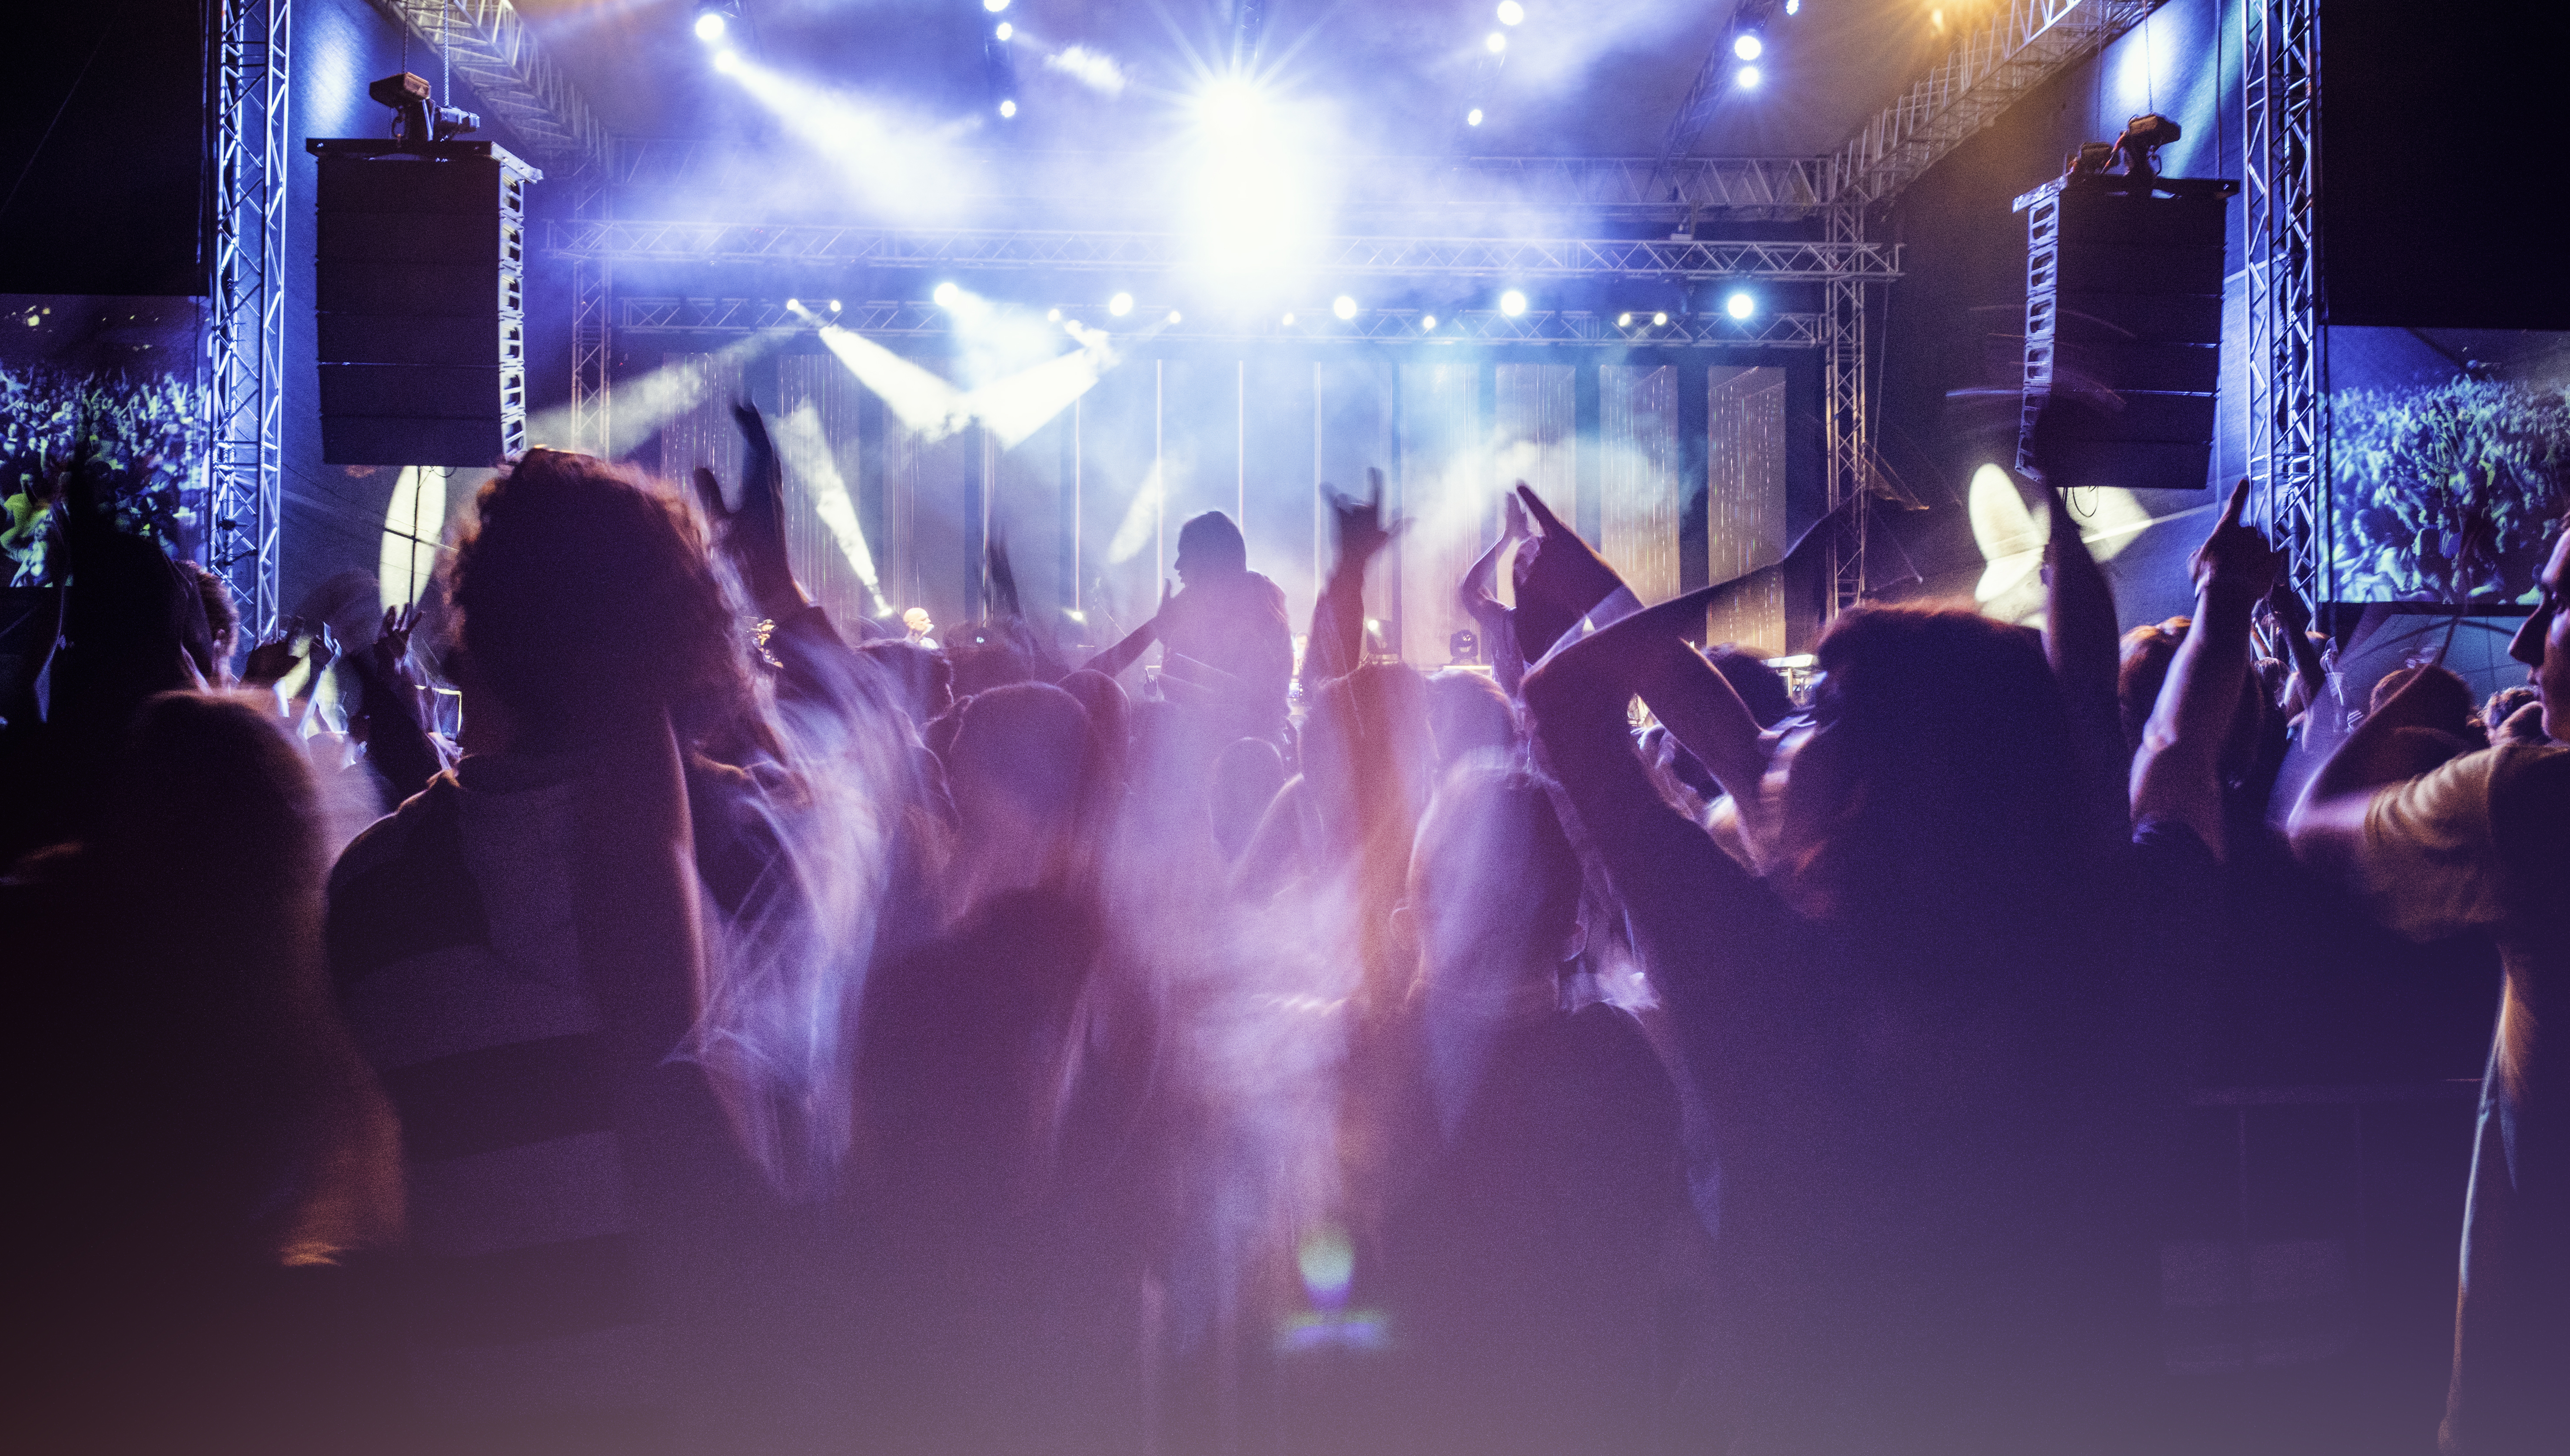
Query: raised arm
1482,604
388,704
2080,641
2328,825
1337,644
1115,659
2177,773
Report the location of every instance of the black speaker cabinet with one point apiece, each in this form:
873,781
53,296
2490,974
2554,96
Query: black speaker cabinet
2123,328
420,283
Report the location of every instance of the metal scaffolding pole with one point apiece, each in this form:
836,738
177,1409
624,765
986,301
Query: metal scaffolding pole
2287,373
1843,420
250,46
592,328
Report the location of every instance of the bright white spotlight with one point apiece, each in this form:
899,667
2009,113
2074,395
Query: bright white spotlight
1231,104
994,6
1120,305
1473,118
1009,107
1749,78
1004,31
1053,315
1344,306
1739,305
1660,320
1289,320
946,294
710,26
1512,13
793,303
1623,320
727,61
1747,47
1428,323
1173,315
1512,303
1793,7
834,305
1497,41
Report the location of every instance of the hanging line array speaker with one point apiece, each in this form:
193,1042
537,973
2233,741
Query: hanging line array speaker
421,287
2123,328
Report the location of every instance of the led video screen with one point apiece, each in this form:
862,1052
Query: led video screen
2450,458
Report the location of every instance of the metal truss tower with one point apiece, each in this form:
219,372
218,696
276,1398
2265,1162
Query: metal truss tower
592,330
2287,369
1847,468
249,70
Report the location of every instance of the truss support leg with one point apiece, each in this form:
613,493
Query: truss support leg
592,294
249,48
1843,420
2287,368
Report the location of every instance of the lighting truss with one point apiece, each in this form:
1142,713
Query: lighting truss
607,239
1739,186
909,320
591,332
2021,45
2287,369
1846,453
515,79
247,82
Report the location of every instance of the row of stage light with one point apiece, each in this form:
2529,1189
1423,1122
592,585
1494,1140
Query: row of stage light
1738,307
1745,40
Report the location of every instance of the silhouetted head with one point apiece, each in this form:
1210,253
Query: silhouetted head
1111,727
1017,765
223,625
588,598
1494,885
1367,750
1937,777
1246,776
1211,549
2543,642
1761,688
1469,713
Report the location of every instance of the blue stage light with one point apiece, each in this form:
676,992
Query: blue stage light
1747,46
1739,305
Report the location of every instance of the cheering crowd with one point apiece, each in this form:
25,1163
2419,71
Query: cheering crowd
753,1036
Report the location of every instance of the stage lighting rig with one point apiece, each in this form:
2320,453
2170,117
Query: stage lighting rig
2140,144
715,19
417,118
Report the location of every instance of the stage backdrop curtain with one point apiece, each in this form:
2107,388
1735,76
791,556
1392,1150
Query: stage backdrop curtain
1536,439
1745,506
1637,477
817,438
1446,493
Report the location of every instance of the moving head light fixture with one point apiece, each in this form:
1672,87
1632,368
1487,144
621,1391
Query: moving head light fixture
418,119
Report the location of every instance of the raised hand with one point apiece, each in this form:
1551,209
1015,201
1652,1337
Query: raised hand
2235,561
1360,529
270,661
1558,578
753,537
1513,525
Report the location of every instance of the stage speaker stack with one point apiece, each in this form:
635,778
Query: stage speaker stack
2123,328
422,296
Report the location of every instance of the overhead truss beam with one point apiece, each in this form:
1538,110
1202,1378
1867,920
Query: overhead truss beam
1109,183
1150,252
2018,47
488,41
895,319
